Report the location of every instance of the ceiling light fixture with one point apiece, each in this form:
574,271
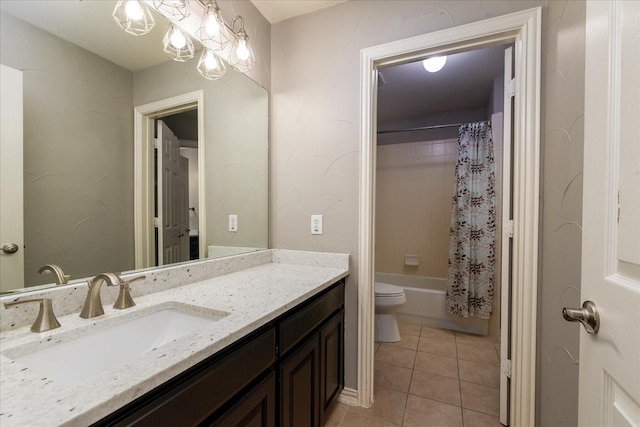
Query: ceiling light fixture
214,35
133,17
178,44
210,66
176,9
213,32
434,64
241,56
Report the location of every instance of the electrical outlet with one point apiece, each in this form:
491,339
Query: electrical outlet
316,224
233,223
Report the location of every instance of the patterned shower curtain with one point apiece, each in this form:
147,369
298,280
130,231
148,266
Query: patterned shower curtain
472,236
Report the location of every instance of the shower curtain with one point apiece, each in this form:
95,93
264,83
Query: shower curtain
472,236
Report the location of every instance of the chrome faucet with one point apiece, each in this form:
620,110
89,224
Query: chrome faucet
56,270
93,303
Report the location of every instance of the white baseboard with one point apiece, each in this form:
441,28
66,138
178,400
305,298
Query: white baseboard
349,396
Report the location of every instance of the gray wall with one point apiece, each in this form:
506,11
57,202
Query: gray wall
78,154
315,146
561,239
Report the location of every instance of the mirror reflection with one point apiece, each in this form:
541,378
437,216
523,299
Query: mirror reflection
82,78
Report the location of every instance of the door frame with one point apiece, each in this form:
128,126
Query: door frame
524,29
144,117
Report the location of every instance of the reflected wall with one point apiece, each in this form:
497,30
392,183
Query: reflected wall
78,154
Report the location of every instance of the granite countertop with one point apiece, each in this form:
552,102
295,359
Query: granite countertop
252,297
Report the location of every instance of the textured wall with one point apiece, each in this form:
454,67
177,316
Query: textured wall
78,154
563,100
315,115
237,147
315,146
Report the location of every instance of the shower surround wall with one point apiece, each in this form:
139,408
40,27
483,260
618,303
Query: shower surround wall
414,188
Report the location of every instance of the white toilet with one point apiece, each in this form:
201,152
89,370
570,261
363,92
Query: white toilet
388,299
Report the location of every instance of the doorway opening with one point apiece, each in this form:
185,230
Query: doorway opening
522,29
170,205
429,124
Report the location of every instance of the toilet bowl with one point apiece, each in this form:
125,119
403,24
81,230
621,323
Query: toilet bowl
388,299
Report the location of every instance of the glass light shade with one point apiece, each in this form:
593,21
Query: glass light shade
178,44
241,56
210,66
176,9
213,33
133,17
434,64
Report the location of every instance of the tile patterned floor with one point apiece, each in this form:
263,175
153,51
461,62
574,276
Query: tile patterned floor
432,377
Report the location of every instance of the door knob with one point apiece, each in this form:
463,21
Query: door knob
587,315
10,248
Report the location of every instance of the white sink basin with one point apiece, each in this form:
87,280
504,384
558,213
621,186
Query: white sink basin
75,360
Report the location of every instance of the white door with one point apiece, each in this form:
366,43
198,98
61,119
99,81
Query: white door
182,205
173,202
610,359
507,235
11,181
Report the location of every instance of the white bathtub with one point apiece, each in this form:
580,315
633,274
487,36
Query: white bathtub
426,304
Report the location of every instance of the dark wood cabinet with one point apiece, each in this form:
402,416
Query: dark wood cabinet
331,362
312,376
286,374
300,386
257,408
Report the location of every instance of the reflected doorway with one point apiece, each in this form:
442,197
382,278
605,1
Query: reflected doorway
170,216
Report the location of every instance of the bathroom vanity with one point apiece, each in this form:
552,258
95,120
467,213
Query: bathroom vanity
272,353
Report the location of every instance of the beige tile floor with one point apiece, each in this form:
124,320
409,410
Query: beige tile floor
432,377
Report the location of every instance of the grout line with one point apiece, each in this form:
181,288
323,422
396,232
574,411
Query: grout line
459,380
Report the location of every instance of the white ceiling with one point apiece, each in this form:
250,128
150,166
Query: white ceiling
465,82
279,10
89,25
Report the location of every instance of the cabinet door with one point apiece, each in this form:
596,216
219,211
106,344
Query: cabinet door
331,360
300,386
256,409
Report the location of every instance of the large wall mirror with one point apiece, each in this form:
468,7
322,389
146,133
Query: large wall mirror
83,80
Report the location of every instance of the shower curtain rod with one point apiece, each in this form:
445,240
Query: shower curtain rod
423,128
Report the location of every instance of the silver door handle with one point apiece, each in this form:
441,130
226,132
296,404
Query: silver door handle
10,248
587,315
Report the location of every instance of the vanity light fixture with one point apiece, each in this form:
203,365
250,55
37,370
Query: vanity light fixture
177,9
178,44
210,66
435,63
213,32
241,56
133,17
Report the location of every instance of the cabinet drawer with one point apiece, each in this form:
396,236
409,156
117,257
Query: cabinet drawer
205,390
297,325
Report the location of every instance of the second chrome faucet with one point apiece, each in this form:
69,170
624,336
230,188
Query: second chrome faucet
93,302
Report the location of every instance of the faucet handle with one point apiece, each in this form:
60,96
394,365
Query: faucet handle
124,299
46,319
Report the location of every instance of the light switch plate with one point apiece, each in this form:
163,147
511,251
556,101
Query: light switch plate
233,223
316,224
